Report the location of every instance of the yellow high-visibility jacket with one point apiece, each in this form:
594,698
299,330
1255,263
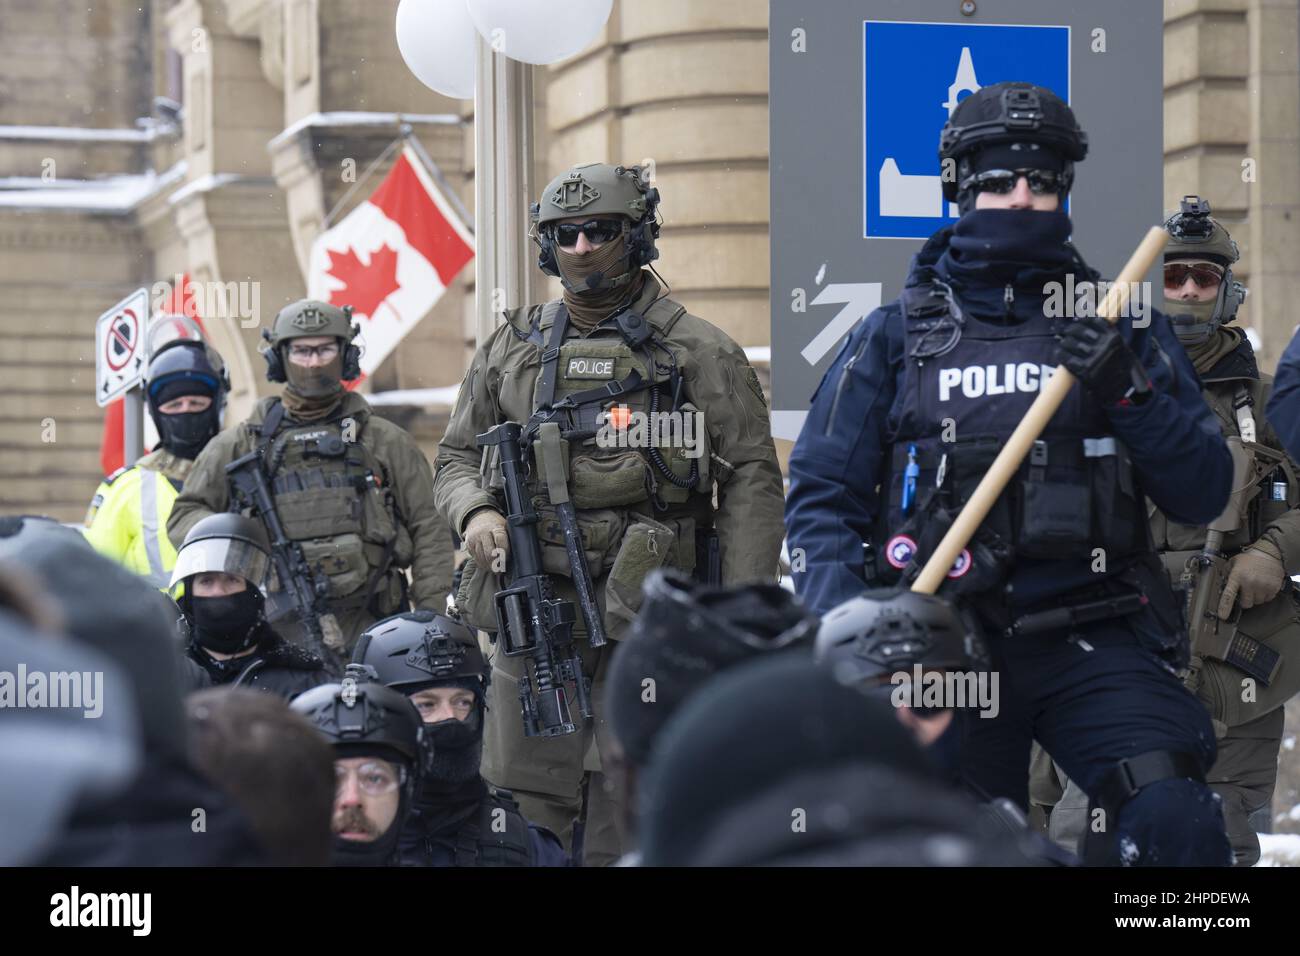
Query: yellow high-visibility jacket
127,519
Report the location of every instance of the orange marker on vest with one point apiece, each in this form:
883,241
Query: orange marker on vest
619,416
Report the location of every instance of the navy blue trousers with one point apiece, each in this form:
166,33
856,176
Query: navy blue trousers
1091,702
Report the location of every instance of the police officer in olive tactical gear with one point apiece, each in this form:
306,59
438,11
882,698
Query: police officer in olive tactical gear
381,753
618,354
185,390
1079,618
1235,573
222,566
457,818
351,489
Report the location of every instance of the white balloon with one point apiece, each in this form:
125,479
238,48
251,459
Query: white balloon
437,40
539,31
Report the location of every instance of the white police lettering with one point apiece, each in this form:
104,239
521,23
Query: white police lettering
976,381
582,367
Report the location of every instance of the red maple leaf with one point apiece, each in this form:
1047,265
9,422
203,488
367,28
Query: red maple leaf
365,286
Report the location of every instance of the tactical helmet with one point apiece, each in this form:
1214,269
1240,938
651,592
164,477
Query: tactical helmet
885,631
1195,234
598,189
224,543
186,367
309,318
415,650
360,716
1004,114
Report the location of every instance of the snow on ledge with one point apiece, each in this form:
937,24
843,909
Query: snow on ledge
416,396
341,118
118,194
81,134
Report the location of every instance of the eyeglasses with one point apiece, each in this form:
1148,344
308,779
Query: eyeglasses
326,352
596,230
1205,276
1003,181
374,779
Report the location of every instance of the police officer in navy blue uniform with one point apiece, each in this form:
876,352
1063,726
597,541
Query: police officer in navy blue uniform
1283,410
457,817
1080,621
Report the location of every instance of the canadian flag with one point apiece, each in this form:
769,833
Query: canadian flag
391,258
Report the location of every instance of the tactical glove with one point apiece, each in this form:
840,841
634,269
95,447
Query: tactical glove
1255,576
484,534
1094,351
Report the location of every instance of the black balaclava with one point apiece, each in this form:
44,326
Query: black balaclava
227,624
185,434
452,790
383,850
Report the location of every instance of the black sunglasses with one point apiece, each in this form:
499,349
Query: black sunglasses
596,230
1003,181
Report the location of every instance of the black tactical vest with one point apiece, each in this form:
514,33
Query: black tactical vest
496,836
967,384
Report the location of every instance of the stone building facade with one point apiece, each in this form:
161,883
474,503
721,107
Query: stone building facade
104,187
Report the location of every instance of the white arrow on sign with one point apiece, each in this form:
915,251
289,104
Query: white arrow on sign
860,298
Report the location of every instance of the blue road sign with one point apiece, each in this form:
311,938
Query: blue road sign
914,75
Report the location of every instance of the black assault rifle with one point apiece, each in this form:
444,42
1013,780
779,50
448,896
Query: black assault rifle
307,590
531,619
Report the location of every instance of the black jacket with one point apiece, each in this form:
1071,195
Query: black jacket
156,821
275,665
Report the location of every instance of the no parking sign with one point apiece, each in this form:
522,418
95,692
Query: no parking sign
120,347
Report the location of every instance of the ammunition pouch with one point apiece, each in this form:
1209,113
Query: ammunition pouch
343,559
647,545
1251,668
608,482
476,596
1069,497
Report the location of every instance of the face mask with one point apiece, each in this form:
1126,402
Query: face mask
321,381
188,433
1193,321
457,749
227,624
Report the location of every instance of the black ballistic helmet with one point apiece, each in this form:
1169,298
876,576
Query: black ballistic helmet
361,717
1005,114
885,631
418,649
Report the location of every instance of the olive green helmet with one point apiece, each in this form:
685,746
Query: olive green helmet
310,317
1195,234
599,189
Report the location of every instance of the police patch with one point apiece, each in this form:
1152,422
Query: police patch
592,367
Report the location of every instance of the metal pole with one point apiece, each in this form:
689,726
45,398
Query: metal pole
132,426
503,187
